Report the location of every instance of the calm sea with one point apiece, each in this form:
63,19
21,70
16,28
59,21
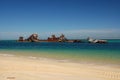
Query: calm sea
108,53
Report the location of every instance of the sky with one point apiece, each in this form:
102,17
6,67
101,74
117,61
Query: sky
76,19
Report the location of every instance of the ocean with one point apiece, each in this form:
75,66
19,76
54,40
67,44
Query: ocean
108,53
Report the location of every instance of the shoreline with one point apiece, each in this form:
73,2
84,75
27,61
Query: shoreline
22,68
63,57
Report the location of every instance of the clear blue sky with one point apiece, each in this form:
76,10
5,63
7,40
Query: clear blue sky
74,18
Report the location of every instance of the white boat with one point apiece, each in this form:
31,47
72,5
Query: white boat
91,40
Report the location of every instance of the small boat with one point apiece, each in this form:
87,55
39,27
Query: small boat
91,40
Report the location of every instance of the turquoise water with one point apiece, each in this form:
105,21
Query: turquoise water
108,53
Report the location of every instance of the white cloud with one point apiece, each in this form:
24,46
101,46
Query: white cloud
76,34
13,35
97,33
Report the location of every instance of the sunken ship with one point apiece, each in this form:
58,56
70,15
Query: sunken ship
53,38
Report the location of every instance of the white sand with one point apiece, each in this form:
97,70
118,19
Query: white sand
21,68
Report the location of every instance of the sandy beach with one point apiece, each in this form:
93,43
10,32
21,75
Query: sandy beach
31,68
